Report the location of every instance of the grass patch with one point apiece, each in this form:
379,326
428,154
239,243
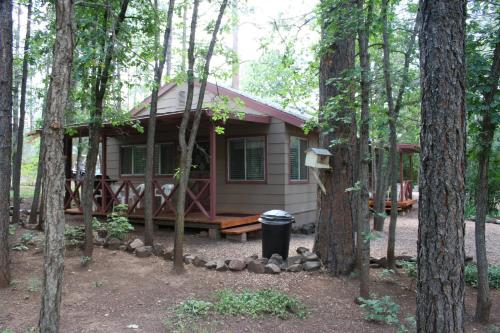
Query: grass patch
493,276
231,303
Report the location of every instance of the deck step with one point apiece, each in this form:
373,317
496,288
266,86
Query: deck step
242,229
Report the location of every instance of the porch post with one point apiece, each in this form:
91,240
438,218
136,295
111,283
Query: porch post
104,193
104,164
68,152
401,175
213,172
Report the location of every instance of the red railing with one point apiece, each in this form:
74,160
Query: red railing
108,193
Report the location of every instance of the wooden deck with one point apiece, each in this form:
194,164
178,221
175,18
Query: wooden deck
403,205
193,220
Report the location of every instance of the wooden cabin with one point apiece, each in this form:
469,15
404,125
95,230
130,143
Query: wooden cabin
255,166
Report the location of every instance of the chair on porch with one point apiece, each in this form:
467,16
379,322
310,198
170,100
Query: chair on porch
167,189
132,196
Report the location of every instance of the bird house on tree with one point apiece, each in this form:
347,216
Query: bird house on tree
318,158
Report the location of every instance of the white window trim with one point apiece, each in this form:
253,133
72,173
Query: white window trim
289,149
245,159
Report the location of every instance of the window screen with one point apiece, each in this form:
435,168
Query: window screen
298,169
167,158
126,160
246,158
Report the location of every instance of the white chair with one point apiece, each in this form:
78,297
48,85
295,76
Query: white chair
132,197
167,189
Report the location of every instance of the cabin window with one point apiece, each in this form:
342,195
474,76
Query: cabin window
133,160
166,158
246,159
298,169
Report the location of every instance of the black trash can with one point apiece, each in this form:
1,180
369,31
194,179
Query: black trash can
276,229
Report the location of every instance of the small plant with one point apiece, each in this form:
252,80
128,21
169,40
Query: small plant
117,225
34,285
76,233
493,276
12,229
27,237
387,273
85,261
493,329
381,310
194,308
20,247
409,267
97,284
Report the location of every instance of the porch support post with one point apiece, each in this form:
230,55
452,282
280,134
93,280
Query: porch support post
401,175
68,152
213,172
104,156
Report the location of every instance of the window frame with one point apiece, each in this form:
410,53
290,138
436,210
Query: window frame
133,174
158,161
228,159
297,181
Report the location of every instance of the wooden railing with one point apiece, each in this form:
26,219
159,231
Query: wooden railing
108,193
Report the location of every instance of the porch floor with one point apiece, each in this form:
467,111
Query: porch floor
192,220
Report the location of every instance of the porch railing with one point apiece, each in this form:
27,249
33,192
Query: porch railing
108,193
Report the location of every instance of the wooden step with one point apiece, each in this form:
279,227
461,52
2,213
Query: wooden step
240,233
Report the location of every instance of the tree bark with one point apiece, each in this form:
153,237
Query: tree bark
150,145
187,147
99,94
381,187
363,241
5,135
53,266
487,132
235,68
336,222
16,77
18,156
440,260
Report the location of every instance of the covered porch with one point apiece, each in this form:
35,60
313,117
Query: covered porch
114,185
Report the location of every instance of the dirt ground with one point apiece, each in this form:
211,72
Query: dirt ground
119,289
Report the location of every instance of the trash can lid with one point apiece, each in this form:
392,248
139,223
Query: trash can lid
277,215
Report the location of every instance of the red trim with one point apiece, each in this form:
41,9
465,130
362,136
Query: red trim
228,180
213,172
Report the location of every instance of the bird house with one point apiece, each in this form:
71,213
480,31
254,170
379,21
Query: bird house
318,158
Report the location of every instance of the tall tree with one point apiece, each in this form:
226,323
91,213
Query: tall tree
487,131
18,155
5,135
150,145
53,161
363,239
393,114
336,220
102,71
187,147
440,260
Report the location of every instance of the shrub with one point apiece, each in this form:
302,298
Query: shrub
27,237
381,310
493,276
410,267
74,233
117,225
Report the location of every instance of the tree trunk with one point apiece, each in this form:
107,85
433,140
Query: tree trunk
16,166
235,68
440,261
100,87
187,147
148,175
16,82
336,222
53,266
483,306
381,187
5,135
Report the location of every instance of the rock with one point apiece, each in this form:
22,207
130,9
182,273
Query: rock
251,258
169,255
114,243
122,247
310,266
310,256
272,269
308,229
221,266
237,265
256,266
188,258
211,264
144,251
302,249
200,261
294,268
294,260
277,260
159,250
136,243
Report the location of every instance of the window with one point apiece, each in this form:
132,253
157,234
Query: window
246,159
133,160
166,157
298,169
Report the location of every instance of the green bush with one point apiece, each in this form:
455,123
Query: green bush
76,233
117,225
381,310
493,276
410,267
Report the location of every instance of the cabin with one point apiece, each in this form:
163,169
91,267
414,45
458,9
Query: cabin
256,165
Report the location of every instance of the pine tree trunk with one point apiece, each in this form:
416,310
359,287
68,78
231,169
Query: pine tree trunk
336,221
5,135
16,82
483,306
381,187
440,261
148,175
54,168
18,156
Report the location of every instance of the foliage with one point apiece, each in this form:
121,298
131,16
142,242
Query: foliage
12,229
85,261
410,267
20,247
194,308
381,310
27,237
34,285
74,233
493,276
117,225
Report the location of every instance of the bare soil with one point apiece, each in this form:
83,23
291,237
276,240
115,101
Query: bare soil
119,289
